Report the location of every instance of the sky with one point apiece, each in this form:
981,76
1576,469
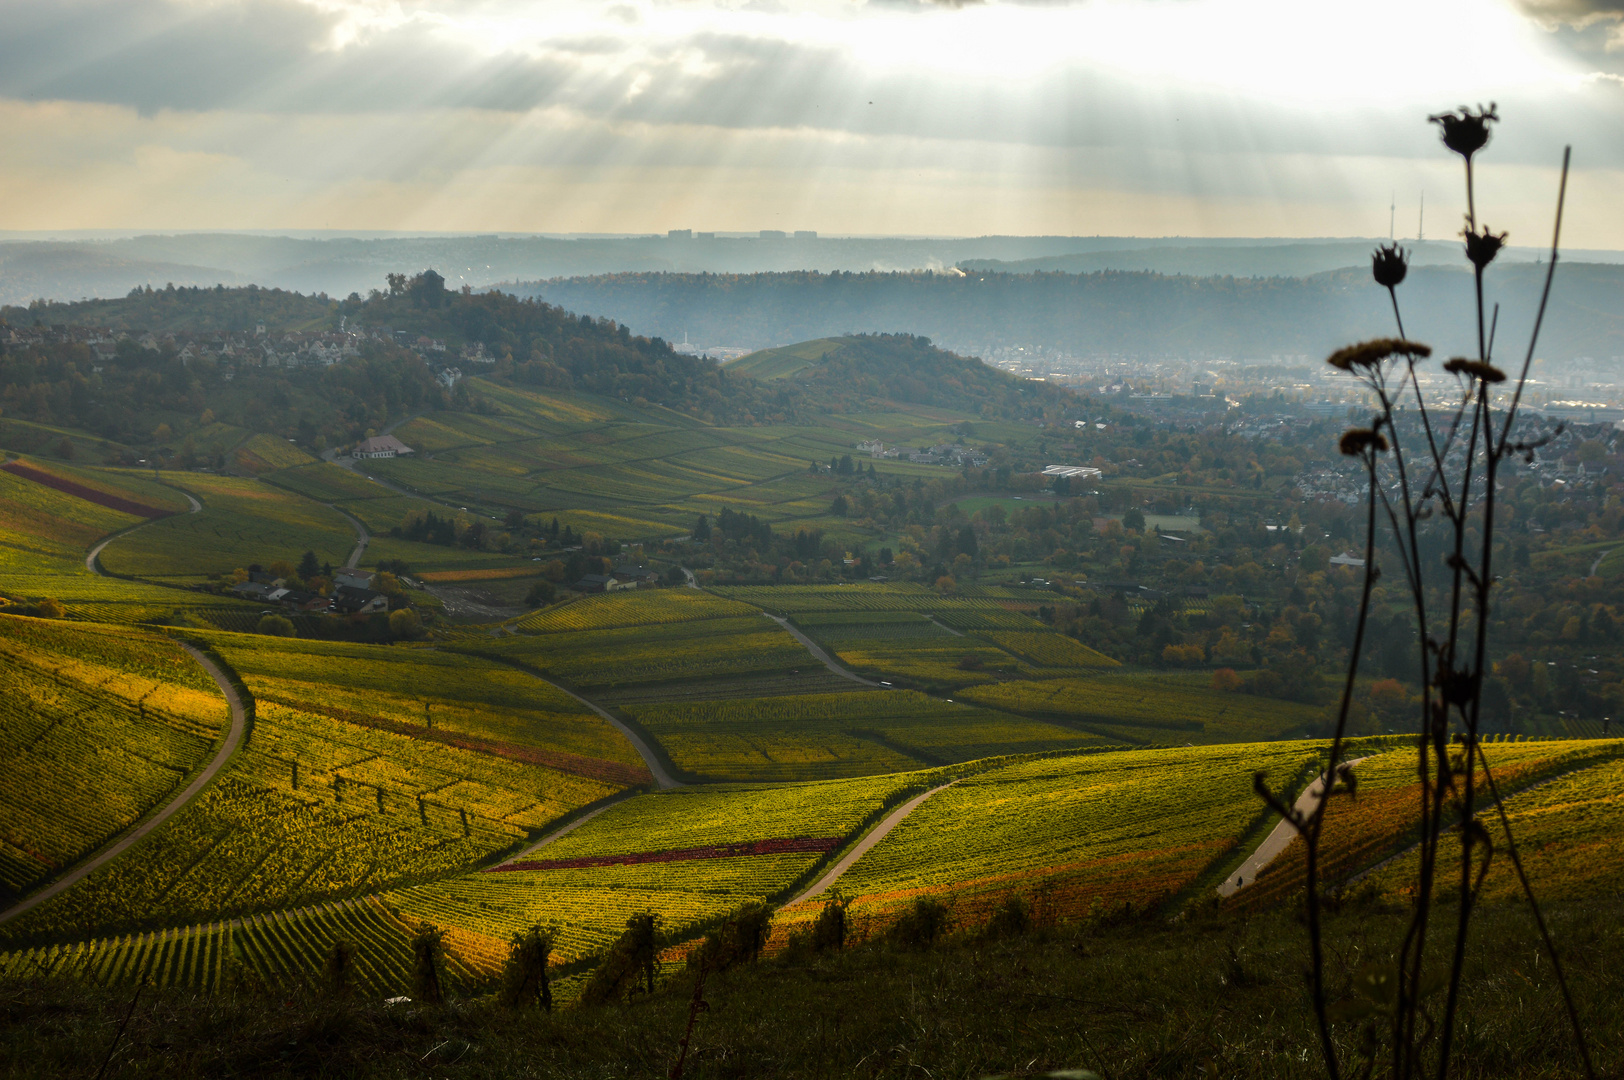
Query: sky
872,117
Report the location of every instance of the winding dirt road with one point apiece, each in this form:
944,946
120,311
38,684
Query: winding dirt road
95,553
818,653
233,739
880,832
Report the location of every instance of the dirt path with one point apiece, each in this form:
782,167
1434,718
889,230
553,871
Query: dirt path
1597,564
233,739
817,651
881,831
95,553
662,779
1279,837
362,537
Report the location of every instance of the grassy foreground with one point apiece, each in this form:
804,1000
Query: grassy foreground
1209,996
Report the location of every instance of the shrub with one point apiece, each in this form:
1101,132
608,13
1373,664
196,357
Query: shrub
632,955
1012,918
405,625
829,932
739,941
275,626
1226,679
921,924
340,964
524,979
540,594
50,608
426,949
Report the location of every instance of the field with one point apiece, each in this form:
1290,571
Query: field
819,736
591,904
658,652
242,522
279,950
1382,821
97,726
637,607
1151,708
324,803
40,525
1073,834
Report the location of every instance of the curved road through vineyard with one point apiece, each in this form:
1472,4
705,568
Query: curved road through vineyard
233,739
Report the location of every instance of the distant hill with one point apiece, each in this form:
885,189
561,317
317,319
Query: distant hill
1120,313
862,371
784,361
1245,260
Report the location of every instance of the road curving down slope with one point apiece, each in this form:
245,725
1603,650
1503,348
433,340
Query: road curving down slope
228,747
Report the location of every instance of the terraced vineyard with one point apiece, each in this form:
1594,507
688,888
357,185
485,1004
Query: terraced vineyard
593,903
1073,834
97,726
1145,708
607,611
326,803
816,736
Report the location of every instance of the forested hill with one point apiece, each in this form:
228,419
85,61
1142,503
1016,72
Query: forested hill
862,370
184,354
1111,312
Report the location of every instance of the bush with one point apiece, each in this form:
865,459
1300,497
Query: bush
426,950
50,608
921,924
633,954
340,963
275,626
829,932
1012,918
1226,679
405,625
739,941
540,594
524,980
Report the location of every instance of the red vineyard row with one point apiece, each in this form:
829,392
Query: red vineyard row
80,491
783,846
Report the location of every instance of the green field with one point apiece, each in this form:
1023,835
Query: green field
242,522
818,736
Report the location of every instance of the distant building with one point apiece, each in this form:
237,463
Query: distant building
352,601
806,234
382,446
773,234
680,234
353,579
705,236
596,583
637,576
1081,472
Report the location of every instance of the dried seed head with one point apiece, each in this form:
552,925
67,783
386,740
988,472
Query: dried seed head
1356,441
1367,354
1464,131
1389,264
1481,248
1475,369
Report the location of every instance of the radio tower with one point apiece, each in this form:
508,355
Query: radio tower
1421,225
1392,211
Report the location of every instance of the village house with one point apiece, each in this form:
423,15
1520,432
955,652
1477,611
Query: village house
382,446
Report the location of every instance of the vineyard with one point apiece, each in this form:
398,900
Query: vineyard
592,903
693,649
323,805
283,949
817,736
97,727
1560,823
1073,834
1151,708
607,611
242,522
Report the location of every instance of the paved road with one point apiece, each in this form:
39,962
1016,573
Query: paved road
881,831
1278,839
817,651
1597,564
233,739
362,537
95,552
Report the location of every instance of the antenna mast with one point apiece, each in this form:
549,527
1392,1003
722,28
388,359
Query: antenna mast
1392,212
1421,225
